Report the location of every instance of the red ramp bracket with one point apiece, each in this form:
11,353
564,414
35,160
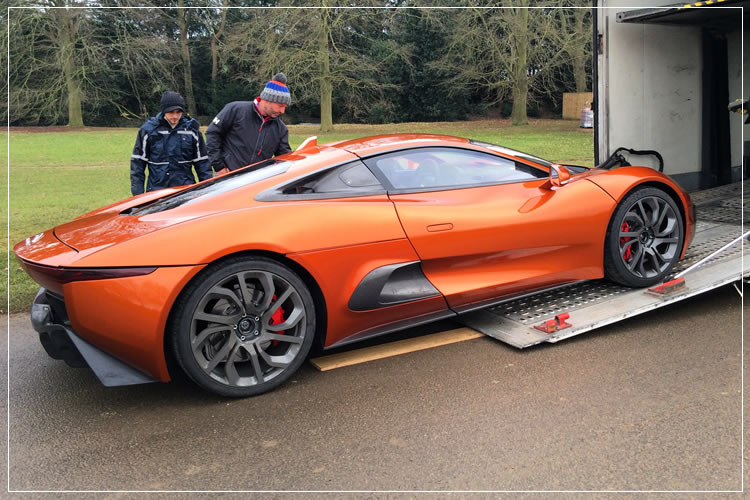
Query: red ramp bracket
553,325
669,287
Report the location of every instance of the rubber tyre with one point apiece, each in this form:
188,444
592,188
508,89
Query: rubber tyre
215,302
630,210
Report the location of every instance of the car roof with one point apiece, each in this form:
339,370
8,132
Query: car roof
376,144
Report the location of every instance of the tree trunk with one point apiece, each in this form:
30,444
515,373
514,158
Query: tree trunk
520,49
214,59
66,31
579,57
215,42
326,85
186,68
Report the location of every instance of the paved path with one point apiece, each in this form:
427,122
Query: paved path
650,404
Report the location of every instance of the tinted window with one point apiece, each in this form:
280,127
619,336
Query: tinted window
437,168
350,179
346,178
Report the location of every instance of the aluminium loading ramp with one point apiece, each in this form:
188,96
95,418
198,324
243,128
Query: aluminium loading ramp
565,312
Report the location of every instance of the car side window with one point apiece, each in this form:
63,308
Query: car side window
350,179
344,179
442,168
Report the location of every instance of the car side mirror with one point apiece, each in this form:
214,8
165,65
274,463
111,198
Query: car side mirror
562,177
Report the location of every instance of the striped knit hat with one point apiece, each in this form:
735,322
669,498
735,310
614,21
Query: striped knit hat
276,90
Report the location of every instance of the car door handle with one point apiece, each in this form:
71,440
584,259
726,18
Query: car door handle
440,227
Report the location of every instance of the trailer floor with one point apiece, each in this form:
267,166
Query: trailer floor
593,304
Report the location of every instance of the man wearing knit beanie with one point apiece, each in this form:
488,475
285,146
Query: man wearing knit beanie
246,132
168,147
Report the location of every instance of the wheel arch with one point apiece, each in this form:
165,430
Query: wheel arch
672,194
321,315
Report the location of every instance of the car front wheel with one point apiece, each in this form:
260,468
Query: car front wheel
644,238
243,327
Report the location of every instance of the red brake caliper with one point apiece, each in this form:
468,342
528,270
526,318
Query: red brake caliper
624,228
276,318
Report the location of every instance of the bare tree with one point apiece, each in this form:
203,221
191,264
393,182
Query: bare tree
64,61
508,50
578,52
67,23
216,35
580,32
70,61
149,58
187,70
322,50
518,36
50,48
4,75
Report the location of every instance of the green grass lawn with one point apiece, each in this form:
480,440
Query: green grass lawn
57,174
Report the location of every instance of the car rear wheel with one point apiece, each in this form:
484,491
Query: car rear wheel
644,238
244,327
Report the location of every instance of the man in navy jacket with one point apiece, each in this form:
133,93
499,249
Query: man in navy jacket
246,132
168,145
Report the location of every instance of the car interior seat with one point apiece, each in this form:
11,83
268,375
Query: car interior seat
428,173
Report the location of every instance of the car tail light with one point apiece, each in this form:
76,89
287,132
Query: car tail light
53,278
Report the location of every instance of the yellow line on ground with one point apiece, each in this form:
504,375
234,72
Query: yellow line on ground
365,354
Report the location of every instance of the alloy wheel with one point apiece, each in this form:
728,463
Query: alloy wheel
649,237
248,328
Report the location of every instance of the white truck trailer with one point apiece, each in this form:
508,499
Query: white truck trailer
664,77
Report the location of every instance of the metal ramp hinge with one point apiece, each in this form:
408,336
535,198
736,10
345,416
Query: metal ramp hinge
554,325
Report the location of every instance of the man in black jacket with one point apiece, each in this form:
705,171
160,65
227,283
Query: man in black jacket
246,132
168,145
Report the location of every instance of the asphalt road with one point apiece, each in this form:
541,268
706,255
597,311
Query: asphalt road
653,403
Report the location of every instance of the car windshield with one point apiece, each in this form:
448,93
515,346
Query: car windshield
214,186
513,152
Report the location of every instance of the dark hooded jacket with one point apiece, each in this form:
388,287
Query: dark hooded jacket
239,136
169,154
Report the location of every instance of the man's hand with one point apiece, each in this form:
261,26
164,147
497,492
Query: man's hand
223,171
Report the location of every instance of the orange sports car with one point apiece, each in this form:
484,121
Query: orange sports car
238,277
